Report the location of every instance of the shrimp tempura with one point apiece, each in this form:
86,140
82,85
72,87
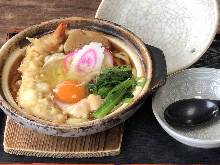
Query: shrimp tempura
32,92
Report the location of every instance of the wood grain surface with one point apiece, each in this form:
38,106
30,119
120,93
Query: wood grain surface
24,13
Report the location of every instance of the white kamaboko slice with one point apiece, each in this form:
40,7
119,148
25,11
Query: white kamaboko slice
88,60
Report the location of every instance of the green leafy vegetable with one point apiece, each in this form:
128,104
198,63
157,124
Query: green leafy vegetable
114,85
114,97
109,78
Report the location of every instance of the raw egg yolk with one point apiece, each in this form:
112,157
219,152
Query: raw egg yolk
69,92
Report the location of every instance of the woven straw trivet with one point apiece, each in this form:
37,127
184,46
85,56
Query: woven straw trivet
21,141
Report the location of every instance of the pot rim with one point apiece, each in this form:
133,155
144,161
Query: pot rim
131,37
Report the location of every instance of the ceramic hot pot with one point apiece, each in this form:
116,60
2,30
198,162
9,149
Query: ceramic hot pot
151,63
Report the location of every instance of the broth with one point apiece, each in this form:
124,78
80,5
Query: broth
117,45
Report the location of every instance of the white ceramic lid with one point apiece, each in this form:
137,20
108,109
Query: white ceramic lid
182,29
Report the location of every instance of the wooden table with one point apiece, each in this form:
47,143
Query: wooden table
23,13
144,140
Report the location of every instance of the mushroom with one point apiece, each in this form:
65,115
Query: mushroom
78,38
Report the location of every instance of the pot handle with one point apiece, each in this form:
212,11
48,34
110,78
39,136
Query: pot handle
159,67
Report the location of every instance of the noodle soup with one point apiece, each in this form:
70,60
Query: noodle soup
73,76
